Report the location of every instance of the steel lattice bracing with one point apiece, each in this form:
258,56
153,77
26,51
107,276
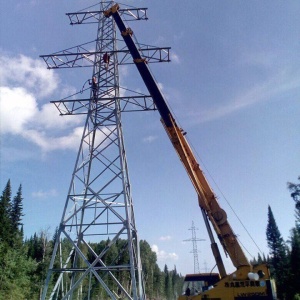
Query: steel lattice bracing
99,205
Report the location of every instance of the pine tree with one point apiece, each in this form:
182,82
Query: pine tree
5,213
278,254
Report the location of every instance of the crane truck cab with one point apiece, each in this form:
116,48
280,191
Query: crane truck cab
194,284
256,285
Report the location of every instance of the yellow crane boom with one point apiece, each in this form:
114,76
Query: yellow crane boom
247,282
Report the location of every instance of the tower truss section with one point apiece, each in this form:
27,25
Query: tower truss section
96,252
194,240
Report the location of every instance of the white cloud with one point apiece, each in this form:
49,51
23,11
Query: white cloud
23,81
48,118
31,74
165,238
44,194
20,116
17,107
175,58
163,256
280,83
123,71
47,143
149,139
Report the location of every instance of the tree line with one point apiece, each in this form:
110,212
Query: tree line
24,261
284,256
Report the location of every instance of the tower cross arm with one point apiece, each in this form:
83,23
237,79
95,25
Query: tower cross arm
78,57
90,17
194,239
127,104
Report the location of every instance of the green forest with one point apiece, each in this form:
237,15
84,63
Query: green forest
24,260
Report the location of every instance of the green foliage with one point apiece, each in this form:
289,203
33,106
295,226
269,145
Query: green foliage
11,231
294,254
18,270
295,262
260,260
148,258
294,189
285,259
15,273
39,249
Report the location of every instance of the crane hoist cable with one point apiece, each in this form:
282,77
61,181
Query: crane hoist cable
226,200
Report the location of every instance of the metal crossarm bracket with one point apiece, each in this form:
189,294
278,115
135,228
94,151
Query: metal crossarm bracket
90,17
127,104
78,57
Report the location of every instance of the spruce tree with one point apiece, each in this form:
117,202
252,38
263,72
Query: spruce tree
295,261
294,189
159,283
177,281
259,259
5,213
295,243
278,254
16,211
168,284
16,218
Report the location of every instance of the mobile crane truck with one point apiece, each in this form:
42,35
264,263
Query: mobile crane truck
247,282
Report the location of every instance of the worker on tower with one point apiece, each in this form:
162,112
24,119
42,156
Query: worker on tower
106,58
94,87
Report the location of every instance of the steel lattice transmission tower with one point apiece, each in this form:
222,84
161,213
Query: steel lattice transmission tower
194,240
99,206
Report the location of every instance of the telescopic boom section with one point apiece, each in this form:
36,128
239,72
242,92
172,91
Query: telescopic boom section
207,199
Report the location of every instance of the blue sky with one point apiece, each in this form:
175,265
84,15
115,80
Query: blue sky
233,85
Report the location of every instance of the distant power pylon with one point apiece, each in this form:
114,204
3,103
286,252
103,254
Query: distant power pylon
194,240
99,206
